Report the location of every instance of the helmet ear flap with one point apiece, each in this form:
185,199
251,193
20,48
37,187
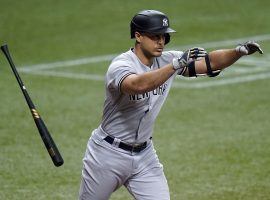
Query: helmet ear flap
167,38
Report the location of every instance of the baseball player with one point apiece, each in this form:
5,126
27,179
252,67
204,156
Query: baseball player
120,151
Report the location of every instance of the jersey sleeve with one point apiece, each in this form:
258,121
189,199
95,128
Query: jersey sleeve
116,73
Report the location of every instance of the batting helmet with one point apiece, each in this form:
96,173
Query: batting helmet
151,21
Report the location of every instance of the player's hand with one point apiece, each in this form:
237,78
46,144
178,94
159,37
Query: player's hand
248,48
197,52
189,55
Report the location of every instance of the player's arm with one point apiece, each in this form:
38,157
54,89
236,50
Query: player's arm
142,83
217,60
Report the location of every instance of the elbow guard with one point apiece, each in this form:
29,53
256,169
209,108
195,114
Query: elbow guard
191,69
209,72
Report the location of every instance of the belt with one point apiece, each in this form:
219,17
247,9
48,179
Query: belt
132,148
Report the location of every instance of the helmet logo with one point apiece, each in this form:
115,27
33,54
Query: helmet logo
165,22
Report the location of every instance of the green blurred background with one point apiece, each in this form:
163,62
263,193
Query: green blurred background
213,141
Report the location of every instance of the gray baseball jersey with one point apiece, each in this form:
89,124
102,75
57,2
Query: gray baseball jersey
131,117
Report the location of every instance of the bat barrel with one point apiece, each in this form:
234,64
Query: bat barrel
47,140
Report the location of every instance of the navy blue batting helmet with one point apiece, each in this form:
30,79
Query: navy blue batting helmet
151,21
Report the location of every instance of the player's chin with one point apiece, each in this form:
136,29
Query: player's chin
158,52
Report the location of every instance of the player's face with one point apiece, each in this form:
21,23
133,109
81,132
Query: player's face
152,44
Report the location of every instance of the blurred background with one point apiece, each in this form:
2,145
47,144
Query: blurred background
212,134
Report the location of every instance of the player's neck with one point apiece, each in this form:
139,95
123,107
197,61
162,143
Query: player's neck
145,58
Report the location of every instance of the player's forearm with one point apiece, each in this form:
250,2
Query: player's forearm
138,84
221,59
151,80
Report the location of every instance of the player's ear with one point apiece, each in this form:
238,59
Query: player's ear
138,37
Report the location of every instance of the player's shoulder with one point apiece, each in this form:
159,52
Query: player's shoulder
124,57
122,60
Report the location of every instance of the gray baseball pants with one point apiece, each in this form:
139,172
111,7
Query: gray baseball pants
107,167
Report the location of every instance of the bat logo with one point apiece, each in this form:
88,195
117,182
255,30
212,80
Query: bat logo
51,152
35,114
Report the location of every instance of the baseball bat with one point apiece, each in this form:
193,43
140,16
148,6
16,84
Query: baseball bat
43,131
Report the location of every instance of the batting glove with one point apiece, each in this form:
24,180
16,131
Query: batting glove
248,48
188,56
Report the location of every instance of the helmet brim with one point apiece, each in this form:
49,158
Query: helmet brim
169,30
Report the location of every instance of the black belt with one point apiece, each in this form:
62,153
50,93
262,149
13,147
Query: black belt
127,147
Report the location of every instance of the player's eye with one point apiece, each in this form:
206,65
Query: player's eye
157,37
